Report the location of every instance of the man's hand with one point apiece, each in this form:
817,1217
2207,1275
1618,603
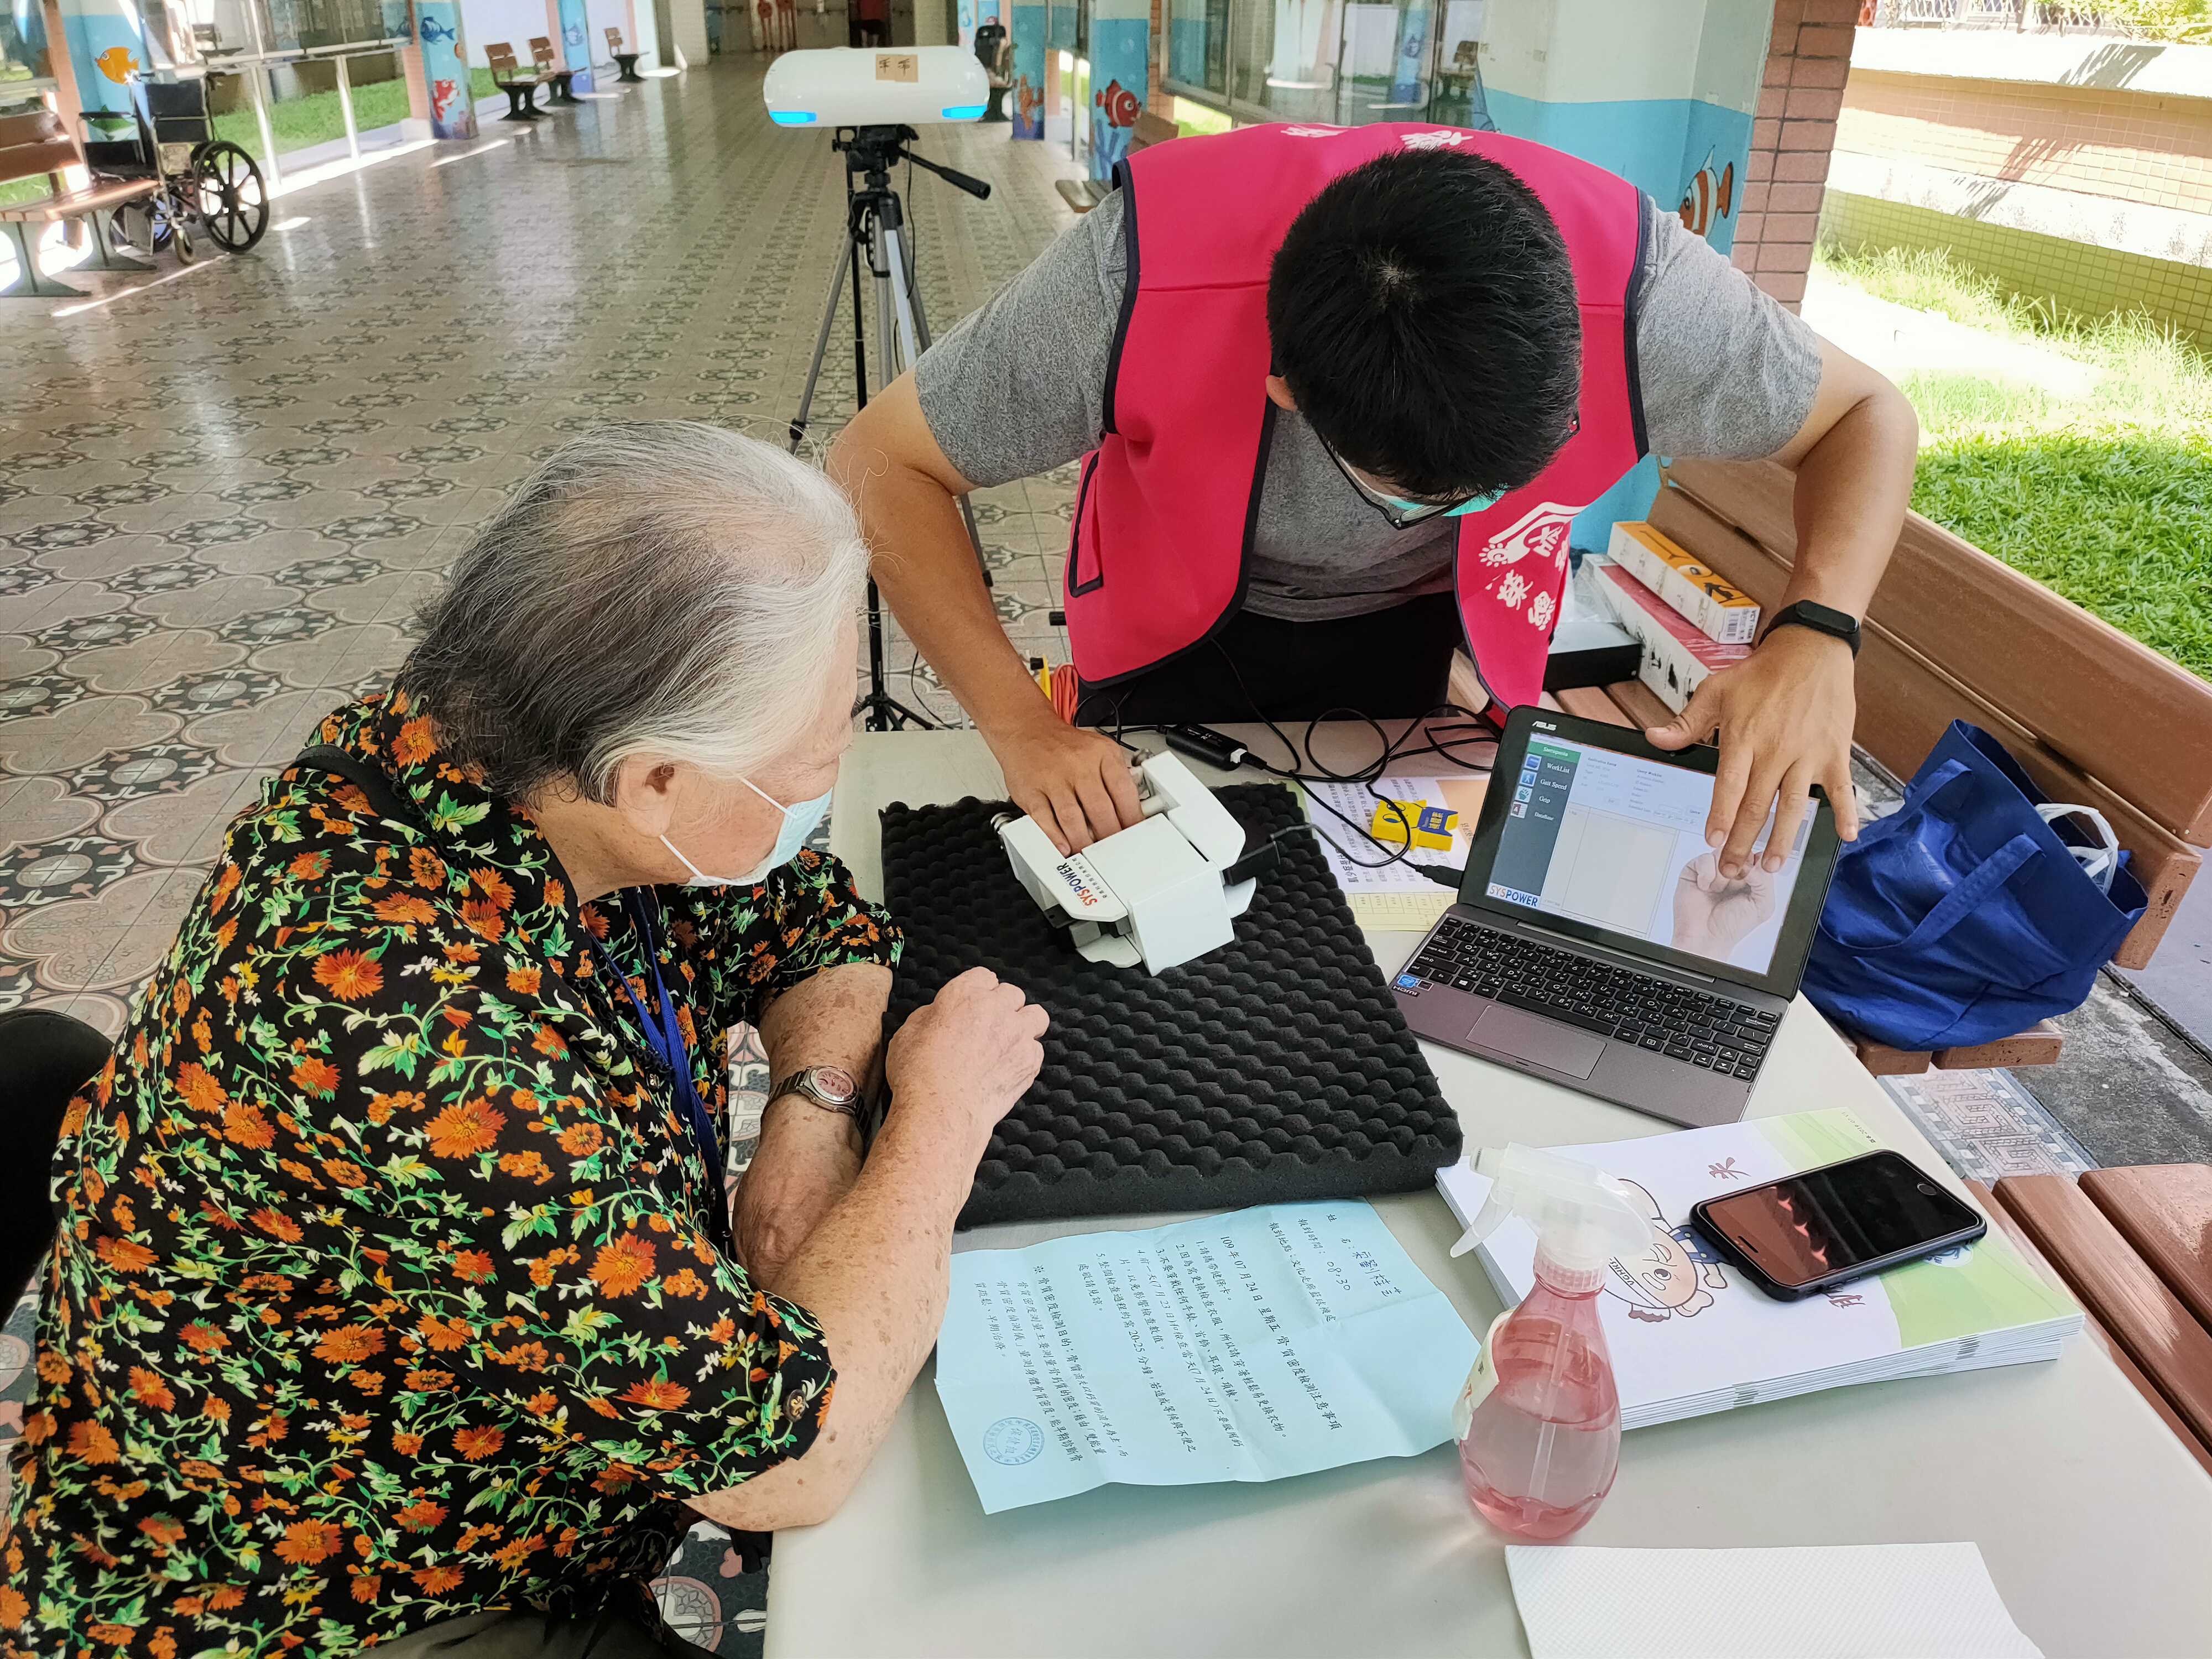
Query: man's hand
1714,913
968,1056
1074,782
807,1160
1783,717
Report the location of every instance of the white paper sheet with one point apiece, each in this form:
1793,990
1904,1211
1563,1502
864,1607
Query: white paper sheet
1844,1601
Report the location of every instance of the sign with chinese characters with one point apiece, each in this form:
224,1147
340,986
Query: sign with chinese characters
1245,1346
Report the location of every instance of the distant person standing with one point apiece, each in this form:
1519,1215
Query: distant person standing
868,22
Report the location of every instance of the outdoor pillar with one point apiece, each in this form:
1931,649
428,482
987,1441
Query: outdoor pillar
565,21
1026,30
1120,54
445,68
345,108
687,22
67,104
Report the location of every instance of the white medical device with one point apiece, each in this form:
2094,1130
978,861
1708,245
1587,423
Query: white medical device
1159,892
864,87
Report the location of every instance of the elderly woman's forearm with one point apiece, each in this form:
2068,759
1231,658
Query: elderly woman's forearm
873,1277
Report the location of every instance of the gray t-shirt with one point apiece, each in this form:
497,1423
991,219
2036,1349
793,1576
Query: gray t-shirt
1015,390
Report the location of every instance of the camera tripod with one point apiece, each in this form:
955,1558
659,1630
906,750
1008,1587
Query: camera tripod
875,229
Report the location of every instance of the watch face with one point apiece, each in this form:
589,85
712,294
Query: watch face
836,1082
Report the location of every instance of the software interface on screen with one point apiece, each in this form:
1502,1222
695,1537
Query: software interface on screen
1619,842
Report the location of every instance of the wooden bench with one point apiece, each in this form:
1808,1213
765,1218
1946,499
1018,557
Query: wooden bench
35,143
548,66
521,90
1084,194
2134,1246
2093,716
625,62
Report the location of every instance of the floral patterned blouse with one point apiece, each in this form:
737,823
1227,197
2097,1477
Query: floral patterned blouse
389,1286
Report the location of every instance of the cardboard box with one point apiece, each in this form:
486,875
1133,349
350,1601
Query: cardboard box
1676,656
1720,611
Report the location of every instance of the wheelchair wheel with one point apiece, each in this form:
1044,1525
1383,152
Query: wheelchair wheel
180,239
232,203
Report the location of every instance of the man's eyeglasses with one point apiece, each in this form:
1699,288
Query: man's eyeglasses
1404,514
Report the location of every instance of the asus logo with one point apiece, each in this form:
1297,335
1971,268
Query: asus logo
1544,725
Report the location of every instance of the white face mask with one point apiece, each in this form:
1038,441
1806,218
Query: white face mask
798,823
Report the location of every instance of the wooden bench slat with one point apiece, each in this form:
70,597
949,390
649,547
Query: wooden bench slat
92,199
1640,703
1905,702
2118,1287
2039,1045
2164,1209
2001,1215
1883,1061
2111,706
1592,704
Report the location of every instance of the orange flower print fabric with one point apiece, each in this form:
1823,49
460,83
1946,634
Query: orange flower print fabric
391,1286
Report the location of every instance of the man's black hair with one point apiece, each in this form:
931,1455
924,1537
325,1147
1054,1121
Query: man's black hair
1422,310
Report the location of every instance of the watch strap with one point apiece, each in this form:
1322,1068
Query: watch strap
1821,618
801,1083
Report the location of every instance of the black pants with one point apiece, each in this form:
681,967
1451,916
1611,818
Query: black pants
1392,665
44,1058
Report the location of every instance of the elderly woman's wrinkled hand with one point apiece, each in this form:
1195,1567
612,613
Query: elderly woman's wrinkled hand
969,1055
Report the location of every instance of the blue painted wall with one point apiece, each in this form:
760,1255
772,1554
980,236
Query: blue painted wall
1027,31
104,49
1121,52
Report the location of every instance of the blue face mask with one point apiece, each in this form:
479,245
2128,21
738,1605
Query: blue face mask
798,823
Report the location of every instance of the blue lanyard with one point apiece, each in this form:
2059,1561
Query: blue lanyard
664,1035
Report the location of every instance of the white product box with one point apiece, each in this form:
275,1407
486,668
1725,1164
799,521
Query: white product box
1719,610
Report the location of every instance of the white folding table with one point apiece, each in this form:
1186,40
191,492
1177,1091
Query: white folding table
2096,1525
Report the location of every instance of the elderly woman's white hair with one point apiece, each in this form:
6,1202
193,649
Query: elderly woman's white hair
664,588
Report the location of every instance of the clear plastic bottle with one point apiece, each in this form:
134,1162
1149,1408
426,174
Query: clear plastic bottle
1539,1421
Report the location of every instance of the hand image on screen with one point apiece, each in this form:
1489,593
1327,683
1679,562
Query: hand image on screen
1714,913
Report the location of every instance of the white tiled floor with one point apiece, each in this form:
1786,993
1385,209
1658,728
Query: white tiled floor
221,498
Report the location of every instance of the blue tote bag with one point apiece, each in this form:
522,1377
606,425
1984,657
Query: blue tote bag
1964,917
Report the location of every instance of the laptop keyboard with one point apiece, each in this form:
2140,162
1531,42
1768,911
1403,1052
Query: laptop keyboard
1721,1035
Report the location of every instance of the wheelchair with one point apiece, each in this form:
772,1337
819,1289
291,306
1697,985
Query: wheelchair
207,184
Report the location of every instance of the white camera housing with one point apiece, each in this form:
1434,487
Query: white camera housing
899,86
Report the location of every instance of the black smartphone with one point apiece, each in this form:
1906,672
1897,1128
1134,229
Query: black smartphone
1813,1231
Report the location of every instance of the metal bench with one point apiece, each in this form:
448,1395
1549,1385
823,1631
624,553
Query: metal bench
521,90
548,66
36,144
625,62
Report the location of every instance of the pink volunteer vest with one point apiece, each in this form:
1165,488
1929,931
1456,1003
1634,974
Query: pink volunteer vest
1168,502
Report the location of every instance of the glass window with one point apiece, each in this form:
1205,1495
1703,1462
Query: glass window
22,47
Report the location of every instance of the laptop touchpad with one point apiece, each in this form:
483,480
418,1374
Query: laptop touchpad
1538,1041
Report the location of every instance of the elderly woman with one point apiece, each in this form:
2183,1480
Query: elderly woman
396,1300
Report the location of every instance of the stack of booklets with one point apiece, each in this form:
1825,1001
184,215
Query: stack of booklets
1687,620
1689,1336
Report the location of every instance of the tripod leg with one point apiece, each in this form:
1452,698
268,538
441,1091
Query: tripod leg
821,347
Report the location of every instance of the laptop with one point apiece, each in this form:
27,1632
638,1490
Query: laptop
1595,942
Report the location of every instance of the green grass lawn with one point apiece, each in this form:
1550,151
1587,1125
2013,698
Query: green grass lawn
299,123
2106,498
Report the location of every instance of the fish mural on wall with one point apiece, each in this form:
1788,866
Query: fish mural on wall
441,98
1118,109
432,32
1029,100
116,63
1708,198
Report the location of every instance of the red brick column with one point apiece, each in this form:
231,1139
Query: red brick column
1792,132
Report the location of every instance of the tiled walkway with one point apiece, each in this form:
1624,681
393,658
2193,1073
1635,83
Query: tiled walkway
221,498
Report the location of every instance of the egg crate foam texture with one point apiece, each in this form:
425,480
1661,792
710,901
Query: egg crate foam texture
1276,1069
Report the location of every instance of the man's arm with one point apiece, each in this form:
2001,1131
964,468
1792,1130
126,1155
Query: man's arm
808,1158
1783,717
1075,782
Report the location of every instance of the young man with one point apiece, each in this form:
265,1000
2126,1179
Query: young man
1342,393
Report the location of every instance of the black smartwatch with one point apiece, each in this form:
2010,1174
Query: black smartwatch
1821,618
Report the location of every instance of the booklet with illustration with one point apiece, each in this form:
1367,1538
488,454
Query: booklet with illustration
1689,1336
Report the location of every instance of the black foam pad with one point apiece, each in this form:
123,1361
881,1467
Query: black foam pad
1275,1068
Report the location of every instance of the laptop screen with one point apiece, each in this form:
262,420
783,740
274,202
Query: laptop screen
1617,842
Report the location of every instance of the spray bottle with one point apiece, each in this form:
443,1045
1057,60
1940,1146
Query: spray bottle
1539,1422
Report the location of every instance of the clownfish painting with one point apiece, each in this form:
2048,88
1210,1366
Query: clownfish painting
1118,104
116,63
1709,197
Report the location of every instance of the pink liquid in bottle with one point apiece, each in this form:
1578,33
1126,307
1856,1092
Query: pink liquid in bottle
1544,1443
